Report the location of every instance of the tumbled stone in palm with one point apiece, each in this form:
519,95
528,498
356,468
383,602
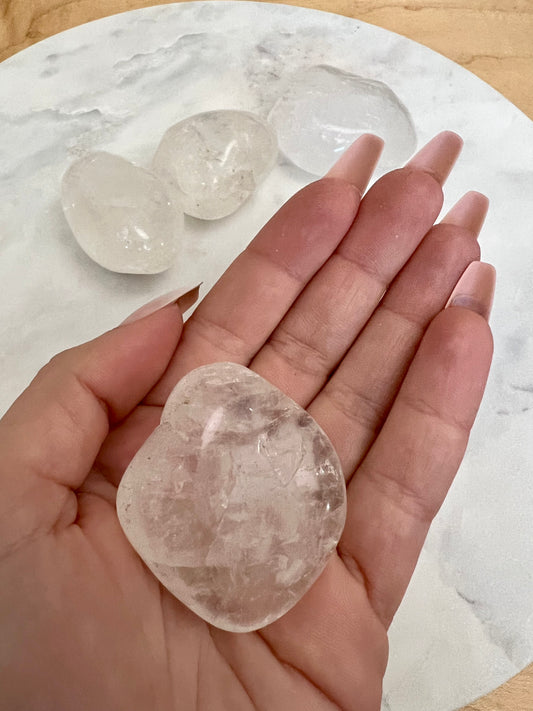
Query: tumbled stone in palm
236,501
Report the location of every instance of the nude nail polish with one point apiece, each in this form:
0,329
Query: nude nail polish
184,298
475,289
468,212
357,163
439,155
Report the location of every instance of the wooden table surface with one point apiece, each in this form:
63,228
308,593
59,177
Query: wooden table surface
491,38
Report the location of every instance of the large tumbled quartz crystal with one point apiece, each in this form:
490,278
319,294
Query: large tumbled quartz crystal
322,110
237,499
214,161
122,216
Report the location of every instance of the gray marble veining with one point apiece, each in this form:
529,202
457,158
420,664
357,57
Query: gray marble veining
115,85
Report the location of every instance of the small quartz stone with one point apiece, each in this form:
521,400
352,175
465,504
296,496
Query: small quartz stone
121,215
236,501
322,111
214,161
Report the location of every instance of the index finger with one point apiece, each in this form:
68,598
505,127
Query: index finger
251,297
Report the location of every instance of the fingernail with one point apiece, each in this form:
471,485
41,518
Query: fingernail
469,212
475,289
438,156
184,298
357,163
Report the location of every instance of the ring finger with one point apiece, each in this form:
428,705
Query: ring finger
354,403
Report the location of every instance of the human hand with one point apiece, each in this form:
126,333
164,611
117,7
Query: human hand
395,382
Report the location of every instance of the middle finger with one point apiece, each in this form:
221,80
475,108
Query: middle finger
393,218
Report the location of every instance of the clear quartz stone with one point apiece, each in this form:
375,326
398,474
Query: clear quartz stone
322,110
214,161
236,501
121,215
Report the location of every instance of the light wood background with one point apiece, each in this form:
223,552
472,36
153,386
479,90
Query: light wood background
491,38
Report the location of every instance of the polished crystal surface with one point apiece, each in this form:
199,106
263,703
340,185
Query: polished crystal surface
214,161
237,499
322,110
121,215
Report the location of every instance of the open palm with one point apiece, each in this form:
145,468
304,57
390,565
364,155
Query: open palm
337,302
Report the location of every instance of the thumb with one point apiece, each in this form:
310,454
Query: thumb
51,435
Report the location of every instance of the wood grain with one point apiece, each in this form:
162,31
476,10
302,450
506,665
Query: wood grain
514,695
491,38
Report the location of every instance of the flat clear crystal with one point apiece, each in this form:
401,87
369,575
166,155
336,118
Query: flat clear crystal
214,161
121,215
322,110
236,501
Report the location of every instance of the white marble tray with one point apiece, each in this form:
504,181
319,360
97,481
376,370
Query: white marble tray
466,624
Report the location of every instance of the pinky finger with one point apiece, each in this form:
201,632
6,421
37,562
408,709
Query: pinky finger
401,484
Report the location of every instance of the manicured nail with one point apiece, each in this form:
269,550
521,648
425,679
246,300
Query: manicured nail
438,156
475,289
184,298
357,163
469,212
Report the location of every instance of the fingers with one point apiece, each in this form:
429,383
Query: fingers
438,156
183,298
475,289
402,482
392,220
123,442
469,212
355,401
252,296
51,435
358,161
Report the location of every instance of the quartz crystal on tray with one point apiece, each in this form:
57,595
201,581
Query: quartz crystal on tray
121,215
236,500
214,161
322,110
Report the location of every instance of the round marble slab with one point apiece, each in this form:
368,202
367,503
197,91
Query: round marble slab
115,85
